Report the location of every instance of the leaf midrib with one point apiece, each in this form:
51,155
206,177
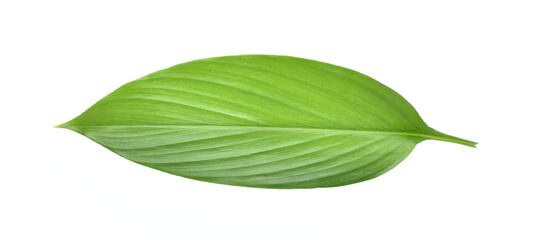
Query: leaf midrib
434,135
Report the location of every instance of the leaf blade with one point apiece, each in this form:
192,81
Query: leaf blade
259,121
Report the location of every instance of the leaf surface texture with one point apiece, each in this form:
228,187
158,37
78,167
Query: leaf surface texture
259,121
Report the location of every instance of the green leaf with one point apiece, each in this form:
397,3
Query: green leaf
259,121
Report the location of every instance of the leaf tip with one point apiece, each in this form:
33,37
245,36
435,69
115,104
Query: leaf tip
472,144
448,138
463,142
63,125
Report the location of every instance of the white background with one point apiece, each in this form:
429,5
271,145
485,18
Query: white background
468,67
